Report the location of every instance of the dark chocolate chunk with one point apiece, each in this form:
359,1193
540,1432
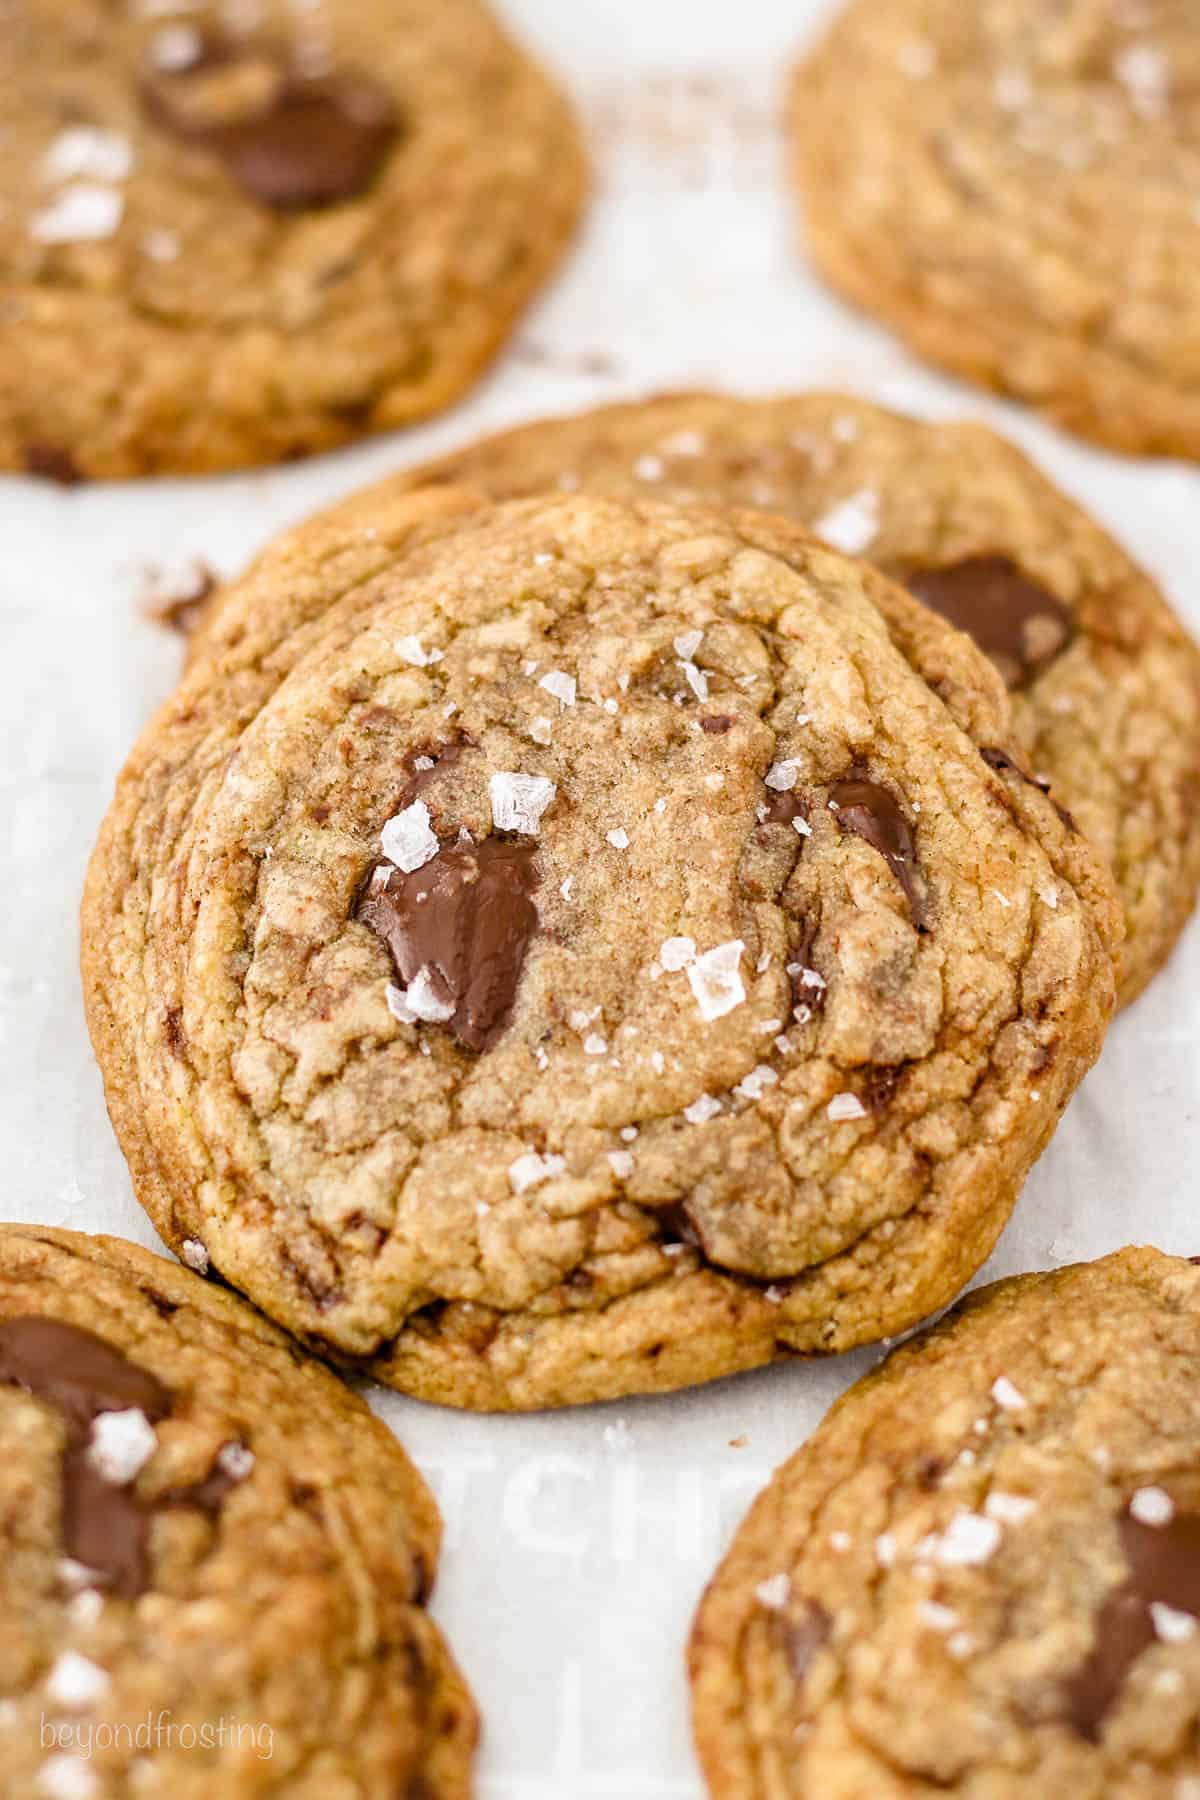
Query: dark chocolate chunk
1013,620
104,1526
1164,1567
464,920
306,143
805,1636
320,143
52,463
869,811
717,724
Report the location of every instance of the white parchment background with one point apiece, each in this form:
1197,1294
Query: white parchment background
576,1544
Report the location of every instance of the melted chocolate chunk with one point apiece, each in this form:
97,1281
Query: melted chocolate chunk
303,143
803,1637
1013,620
869,811
1164,1567
104,1526
52,463
784,805
466,920
717,724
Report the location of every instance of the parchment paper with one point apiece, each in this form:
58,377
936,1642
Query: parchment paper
576,1544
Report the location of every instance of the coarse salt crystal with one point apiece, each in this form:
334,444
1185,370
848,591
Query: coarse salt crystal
938,1618
83,150
561,685
781,776
702,1110
773,1593
122,1443
530,1170
74,1682
853,525
1006,1395
408,839
1152,1506
82,213
541,729
411,650
619,839
968,1540
649,468
594,1044
66,1777
844,1107
716,981
519,801
621,1163
1009,1509
1170,1625
676,953
422,1000
752,1086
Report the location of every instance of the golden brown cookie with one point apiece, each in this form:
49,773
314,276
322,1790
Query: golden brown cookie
216,1561
563,949
1105,681
1013,188
274,229
982,1575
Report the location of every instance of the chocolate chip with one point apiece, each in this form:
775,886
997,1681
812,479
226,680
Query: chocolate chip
1013,620
1164,1566
869,811
299,143
104,1526
784,805
804,1636
678,1227
466,920
321,143
53,463
717,724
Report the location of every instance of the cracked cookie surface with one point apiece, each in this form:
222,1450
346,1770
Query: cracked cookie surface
1014,191
981,1576
208,1531
564,948
1105,682
279,235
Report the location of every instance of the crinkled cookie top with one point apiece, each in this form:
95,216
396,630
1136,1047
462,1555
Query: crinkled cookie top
563,948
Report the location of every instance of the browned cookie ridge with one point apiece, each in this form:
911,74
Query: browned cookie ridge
278,233
205,1530
562,949
1013,188
982,1574
1105,682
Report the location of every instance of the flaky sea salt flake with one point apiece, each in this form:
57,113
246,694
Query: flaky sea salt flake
122,1443
716,981
408,839
844,1107
530,1170
519,801
82,213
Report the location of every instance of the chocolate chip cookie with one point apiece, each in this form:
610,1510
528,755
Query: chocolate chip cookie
560,949
982,1574
216,1561
232,235
1013,189
1105,682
